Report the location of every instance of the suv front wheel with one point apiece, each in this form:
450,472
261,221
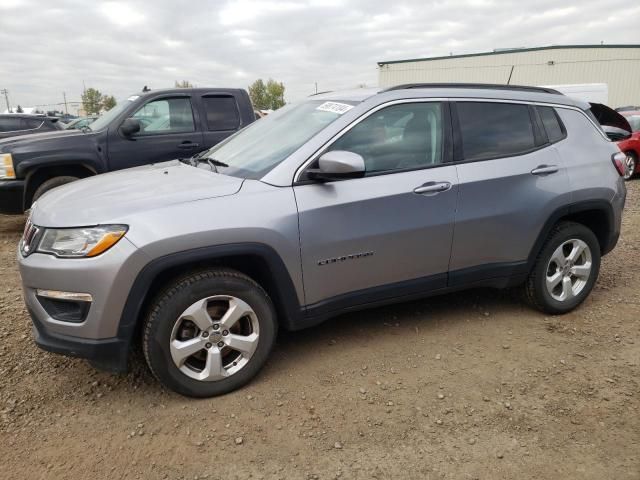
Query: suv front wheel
566,269
209,333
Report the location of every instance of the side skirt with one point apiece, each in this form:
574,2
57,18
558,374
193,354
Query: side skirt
492,276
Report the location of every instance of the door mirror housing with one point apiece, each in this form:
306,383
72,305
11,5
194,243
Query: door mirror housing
616,134
130,126
338,165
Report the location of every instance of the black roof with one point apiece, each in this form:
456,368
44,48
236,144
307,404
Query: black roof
152,91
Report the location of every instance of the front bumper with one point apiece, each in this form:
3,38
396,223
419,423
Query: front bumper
12,197
109,354
108,279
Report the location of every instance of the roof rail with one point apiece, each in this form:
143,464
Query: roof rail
487,86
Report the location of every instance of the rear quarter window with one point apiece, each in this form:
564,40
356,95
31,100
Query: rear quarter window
552,124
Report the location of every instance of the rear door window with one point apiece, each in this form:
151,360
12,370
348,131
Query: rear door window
222,112
494,130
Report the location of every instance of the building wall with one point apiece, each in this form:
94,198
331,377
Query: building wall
618,67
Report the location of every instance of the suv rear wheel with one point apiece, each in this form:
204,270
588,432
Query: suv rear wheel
209,333
566,269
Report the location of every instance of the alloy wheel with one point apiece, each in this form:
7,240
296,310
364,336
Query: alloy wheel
631,167
214,338
568,270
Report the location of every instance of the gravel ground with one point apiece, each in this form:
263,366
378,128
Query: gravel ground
469,385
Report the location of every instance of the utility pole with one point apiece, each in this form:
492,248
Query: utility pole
316,87
6,98
64,95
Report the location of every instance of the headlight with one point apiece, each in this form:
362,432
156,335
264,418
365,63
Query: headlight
80,242
6,166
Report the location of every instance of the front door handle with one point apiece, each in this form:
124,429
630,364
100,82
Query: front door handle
544,169
432,187
188,145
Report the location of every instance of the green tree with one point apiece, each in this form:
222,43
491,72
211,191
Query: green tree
275,94
258,94
269,96
92,101
183,84
19,110
108,102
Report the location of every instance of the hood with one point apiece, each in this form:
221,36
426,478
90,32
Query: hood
32,138
109,197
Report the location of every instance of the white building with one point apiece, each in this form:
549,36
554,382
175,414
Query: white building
618,66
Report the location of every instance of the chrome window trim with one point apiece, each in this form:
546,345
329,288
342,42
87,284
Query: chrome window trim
314,156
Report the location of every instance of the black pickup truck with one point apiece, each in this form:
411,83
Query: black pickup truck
148,127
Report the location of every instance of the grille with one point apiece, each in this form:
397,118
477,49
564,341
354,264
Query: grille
29,238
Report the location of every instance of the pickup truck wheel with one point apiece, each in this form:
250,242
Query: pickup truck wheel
566,269
50,184
209,333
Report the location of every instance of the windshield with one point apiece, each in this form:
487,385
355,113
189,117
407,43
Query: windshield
260,147
104,120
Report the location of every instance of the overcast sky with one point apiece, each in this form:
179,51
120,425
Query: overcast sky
51,46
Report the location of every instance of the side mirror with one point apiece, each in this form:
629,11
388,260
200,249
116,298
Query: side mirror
130,126
338,165
616,134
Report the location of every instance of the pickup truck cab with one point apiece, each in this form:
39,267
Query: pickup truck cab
148,127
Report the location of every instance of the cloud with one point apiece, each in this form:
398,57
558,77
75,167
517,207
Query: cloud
119,46
121,14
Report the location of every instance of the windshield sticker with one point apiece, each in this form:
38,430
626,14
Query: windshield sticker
335,107
133,97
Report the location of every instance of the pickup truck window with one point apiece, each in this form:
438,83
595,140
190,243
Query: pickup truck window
222,112
9,124
165,115
31,123
257,149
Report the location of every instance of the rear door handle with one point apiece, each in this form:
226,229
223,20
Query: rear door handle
432,187
188,145
544,169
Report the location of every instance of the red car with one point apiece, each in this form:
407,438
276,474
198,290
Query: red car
631,146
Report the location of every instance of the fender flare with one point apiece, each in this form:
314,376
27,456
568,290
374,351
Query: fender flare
583,206
285,293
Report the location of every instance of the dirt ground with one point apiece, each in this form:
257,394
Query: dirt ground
468,385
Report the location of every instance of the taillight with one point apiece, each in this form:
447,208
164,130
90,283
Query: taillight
618,160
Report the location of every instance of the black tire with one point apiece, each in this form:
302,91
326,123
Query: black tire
632,159
535,287
51,184
166,309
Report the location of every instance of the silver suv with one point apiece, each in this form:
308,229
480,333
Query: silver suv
341,202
